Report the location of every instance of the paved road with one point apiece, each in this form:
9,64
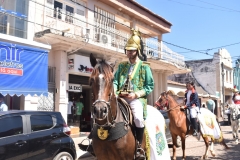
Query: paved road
195,149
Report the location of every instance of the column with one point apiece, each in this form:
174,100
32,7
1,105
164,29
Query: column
156,86
60,60
160,46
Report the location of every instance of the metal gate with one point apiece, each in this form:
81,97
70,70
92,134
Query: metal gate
47,103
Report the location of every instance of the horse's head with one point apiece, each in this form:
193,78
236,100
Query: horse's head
101,81
162,102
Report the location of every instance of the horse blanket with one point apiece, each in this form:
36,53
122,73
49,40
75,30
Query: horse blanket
209,125
157,145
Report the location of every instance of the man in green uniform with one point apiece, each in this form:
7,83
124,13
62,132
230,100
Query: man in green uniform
79,107
133,81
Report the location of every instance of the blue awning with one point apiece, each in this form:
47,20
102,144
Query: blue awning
23,70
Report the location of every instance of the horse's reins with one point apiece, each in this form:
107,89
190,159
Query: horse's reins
165,111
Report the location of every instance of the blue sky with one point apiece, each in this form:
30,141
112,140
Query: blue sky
200,25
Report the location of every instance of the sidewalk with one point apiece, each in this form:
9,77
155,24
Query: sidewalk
78,138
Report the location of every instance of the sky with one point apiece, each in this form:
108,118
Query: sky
200,25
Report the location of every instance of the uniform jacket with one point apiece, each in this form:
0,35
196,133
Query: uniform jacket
142,80
193,98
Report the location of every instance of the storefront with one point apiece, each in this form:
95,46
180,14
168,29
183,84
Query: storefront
79,70
23,72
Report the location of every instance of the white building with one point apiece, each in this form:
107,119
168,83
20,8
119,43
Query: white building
76,28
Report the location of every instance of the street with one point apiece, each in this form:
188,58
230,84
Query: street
195,149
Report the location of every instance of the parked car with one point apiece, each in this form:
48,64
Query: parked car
168,133
35,135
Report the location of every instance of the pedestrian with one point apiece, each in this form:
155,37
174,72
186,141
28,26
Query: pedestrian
3,106
192,103
133,81
236,97
79,109
70,105
210,104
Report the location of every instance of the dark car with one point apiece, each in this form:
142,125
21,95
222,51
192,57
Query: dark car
35,135
168,133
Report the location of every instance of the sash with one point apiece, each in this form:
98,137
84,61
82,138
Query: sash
135,70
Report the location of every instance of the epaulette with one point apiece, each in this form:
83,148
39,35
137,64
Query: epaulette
147,63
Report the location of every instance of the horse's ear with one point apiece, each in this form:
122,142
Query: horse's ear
93,60
113,65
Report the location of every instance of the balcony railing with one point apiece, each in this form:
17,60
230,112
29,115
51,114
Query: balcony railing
99,33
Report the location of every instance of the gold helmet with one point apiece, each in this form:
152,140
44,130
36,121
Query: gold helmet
235,90
135,43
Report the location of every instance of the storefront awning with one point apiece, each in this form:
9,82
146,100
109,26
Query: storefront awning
23,70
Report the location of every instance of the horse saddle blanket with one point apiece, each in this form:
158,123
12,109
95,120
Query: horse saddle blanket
209,125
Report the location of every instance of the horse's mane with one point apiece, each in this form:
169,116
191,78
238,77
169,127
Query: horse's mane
102,67
172,98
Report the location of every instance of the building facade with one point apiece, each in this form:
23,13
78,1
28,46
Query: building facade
212,77
76,28
23,62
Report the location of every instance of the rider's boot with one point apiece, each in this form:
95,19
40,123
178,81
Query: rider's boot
195,126
140,151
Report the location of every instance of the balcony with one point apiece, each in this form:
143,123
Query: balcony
103,35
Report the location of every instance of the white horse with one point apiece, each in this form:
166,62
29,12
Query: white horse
235,121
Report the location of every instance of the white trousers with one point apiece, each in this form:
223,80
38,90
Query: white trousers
194,111
137,110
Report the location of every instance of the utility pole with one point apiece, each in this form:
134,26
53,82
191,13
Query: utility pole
223,89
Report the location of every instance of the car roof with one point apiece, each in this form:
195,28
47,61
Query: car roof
25,112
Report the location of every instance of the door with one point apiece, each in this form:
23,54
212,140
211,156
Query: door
43,136
13,142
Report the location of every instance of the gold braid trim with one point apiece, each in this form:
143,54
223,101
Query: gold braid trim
215,140
147,144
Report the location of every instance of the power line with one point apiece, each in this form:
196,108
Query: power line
218,6
200,6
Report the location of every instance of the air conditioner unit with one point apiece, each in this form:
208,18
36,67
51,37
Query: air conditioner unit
104,39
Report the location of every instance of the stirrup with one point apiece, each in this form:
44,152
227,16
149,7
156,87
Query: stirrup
87,148
140,154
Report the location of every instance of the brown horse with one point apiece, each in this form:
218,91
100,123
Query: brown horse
112,135
179,126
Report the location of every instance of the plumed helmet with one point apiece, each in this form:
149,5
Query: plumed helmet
135,43
235,90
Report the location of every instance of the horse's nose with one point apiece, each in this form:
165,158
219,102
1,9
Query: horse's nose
104,109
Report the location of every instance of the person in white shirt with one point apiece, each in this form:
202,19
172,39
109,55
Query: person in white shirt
3,106
70,104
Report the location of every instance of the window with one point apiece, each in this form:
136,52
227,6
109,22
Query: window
13,21
58,9
11,126
41,122
69,14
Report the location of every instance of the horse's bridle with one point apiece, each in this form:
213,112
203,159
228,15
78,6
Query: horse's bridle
108,123
166,104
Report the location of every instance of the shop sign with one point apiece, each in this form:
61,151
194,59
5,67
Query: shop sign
23,70
74,87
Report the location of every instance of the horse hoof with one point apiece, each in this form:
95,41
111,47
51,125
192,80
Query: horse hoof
204,157
236,141
212,153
